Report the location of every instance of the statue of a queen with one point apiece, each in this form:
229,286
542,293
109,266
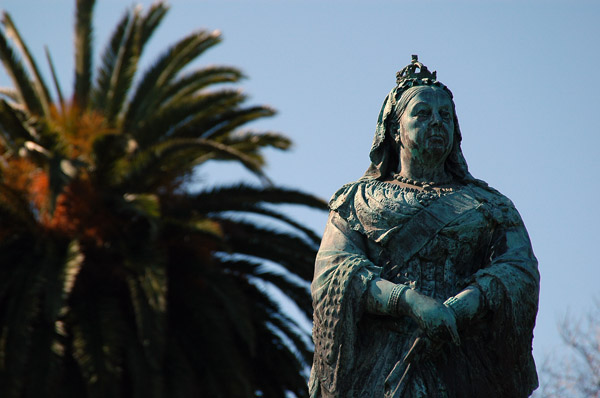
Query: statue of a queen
425,283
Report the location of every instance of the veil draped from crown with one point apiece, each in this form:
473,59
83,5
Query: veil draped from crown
384,154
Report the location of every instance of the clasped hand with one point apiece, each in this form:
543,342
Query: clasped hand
437,321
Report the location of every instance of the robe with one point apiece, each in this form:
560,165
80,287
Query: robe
472,236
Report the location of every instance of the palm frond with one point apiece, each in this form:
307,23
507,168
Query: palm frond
206,231
294,254
19,76
60,265
236,196
158,77
151,20
252,142
250,270
39,380
147,205
83,51
40,86
124,69
176,157
60,172
75,259
197,80
300,339
99,330
46,136
58,261
235,309
160,125
223,123
244,198
61,99
109,59
12,127
275,342
9,93
148,296
215,364
310,234
107,151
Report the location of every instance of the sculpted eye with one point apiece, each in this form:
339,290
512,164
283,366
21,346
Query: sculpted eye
446,115
424,113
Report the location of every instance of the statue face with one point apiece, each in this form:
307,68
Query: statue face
427,126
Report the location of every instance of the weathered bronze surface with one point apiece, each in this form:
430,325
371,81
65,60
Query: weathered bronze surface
425,284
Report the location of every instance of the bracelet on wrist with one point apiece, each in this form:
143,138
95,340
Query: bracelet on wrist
462,308
394,299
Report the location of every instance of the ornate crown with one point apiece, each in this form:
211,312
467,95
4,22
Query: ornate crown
408,75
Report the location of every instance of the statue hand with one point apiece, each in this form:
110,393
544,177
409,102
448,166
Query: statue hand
466,305
434,318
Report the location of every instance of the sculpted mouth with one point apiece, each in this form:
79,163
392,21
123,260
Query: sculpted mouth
438,132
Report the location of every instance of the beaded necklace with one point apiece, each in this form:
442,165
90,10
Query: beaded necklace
430,192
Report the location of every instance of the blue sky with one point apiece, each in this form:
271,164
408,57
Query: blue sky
523,75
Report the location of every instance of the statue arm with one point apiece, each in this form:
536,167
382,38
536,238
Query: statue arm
512,277
341,246
508,284
467,306
342,275
342,256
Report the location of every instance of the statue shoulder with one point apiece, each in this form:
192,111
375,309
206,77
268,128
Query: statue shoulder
501,208
346,193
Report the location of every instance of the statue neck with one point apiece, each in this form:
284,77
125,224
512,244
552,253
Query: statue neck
417,169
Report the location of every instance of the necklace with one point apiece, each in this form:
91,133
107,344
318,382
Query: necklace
430,190
422,184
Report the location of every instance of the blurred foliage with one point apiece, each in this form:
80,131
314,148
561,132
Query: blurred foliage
115,279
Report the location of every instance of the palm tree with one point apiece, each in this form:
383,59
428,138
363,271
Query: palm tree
117,280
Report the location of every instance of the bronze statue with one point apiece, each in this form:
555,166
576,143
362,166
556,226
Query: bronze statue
425,284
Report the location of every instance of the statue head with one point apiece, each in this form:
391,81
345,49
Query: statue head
385,157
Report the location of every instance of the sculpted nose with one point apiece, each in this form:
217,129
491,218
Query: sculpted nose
436,119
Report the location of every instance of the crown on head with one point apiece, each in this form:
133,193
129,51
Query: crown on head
408,76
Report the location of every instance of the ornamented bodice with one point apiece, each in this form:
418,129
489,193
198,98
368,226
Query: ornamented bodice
443,266
473,236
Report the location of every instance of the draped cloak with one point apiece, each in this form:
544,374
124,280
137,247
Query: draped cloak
379,229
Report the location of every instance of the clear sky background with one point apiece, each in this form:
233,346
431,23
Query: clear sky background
524,77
